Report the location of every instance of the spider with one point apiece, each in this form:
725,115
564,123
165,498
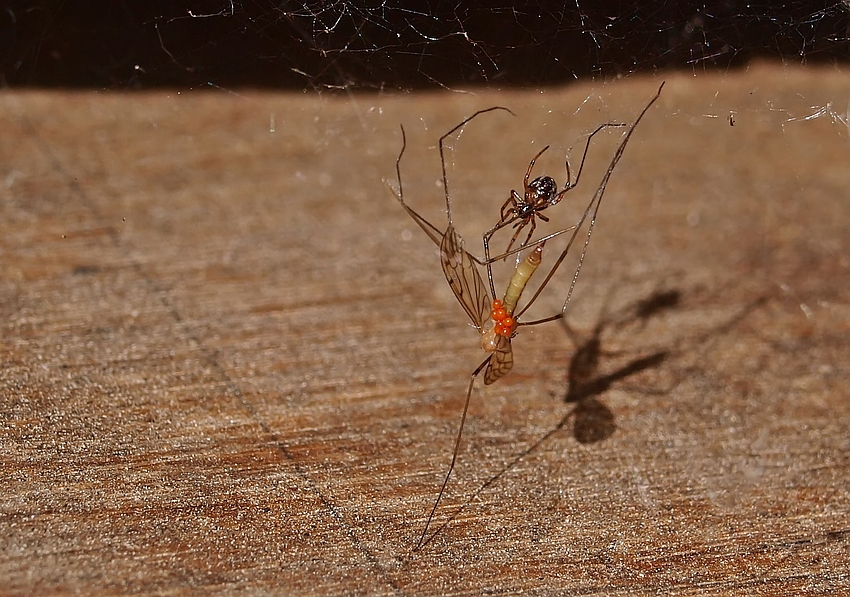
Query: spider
539,194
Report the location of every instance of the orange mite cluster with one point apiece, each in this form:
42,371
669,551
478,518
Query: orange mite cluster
503,319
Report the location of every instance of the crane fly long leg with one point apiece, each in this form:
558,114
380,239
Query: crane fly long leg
591,211
468,287
458,265
499,362
432,231
475,373
516,250
442,157
600,128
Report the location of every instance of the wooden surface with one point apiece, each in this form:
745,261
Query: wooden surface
231,364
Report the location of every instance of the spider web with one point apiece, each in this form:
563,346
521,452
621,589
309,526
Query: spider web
394,44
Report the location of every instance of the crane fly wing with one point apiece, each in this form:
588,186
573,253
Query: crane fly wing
463,278
501,361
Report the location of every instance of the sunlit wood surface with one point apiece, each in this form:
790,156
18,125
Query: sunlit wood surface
231,364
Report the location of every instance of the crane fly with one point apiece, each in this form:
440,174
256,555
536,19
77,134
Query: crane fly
498,320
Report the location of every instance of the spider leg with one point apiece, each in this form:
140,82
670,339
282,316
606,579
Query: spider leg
567,184
591,212
600,128
514,200
519,226
530,232
530,168
507,214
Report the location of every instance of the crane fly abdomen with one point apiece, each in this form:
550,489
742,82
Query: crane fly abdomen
521,277
502,312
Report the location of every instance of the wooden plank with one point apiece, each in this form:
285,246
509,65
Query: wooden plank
231,363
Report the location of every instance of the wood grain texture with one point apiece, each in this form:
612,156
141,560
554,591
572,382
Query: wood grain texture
231,364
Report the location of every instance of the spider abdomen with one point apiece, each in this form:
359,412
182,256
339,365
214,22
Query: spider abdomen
543,191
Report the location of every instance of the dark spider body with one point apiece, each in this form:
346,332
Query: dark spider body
542,193
522,210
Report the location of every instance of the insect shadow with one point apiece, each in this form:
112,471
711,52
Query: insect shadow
593,421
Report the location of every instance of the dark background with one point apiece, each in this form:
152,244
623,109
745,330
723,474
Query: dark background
374,45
